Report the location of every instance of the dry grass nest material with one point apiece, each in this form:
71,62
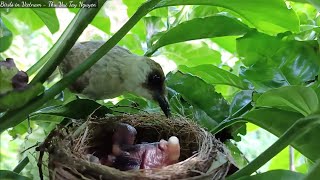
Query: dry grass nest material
202,156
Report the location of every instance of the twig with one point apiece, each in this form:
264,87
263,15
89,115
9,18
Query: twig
291,159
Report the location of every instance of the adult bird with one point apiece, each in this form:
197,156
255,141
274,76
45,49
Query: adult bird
117,72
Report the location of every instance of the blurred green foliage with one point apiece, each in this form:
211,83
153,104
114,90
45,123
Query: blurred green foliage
230,54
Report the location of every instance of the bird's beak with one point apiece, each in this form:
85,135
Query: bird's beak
163,103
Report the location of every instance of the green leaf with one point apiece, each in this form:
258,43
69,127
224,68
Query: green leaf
272,17
275,174
279,121
255,46
16,99
236,154
139,28
19,130
192,54
71,110
182,107
315,3
228,43
203,11
240,100
199,94
274,62
200,28
293,98
48,17
5,37
131,104
214,75
100,21
314,173
36,19
6,175
280,161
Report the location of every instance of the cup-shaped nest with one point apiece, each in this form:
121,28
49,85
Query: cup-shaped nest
202,156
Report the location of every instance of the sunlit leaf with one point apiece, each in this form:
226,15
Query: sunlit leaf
203,11
281,160
276,17
5,37
293,98
214,75
228,43
48,17
100,21
191,54
199,28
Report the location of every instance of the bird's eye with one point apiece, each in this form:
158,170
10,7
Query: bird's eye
155,79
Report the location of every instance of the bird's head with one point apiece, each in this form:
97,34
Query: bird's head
145,78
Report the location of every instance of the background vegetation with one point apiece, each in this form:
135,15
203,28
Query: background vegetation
250,65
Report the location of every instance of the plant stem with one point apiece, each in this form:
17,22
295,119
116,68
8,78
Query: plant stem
295,131
21,165
243,110
13,118
228,122
66,41
291,159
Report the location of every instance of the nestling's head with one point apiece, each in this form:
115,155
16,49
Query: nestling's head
146,78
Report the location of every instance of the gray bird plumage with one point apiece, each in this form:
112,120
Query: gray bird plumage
117,72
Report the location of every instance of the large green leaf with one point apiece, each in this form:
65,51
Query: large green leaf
48,17
214,75
7,175
275,174
5,37
272,16
100,21
76,109
293,98
255,46
274,62
279,121
179,105
228,43
199,94
240,100
36,18
199,28
314,173
192,54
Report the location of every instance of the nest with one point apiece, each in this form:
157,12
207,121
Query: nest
202,156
